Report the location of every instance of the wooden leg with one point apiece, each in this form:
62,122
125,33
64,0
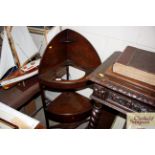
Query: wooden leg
47,122
97,109
67,72
44,106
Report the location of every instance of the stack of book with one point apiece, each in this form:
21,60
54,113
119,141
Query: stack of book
136,64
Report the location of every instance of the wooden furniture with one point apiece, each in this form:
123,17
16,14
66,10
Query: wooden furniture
21,94
68,48
119,93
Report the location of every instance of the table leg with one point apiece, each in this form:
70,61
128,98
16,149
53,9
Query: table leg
97,109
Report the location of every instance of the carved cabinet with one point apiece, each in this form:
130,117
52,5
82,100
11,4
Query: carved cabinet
119,93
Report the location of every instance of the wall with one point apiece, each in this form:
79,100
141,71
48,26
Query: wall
107,39
40,40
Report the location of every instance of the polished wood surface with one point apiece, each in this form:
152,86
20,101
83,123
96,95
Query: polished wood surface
108,85
69,107
19,95
119,93
68,48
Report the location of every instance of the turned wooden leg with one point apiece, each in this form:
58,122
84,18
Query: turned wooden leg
97,109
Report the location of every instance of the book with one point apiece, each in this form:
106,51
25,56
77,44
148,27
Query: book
136,64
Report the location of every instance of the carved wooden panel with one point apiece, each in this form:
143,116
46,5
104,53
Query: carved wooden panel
118,99
129,93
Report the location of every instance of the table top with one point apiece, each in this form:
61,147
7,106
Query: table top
19,95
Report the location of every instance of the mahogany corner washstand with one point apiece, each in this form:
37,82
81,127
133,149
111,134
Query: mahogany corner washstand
68,48
119,93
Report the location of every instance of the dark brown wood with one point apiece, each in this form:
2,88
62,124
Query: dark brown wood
102,116
19,95
45,102
30,108
120,93
106,118
69,107
68,48
97,109
136,89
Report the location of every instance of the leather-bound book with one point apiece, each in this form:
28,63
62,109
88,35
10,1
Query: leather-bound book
137,64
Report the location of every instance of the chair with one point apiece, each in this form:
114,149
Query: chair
67,49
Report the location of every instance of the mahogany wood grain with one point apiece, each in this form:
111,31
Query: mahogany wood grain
69,107
68,48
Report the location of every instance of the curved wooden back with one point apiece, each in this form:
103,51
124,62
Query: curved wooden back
68,48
